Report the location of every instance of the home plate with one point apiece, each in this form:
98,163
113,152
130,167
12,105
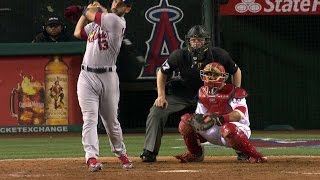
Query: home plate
305,173
174,171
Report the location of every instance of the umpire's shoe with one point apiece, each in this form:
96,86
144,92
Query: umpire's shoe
148,156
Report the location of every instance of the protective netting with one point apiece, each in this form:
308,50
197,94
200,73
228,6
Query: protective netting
279,58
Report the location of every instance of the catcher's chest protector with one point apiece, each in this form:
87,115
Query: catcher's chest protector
219,103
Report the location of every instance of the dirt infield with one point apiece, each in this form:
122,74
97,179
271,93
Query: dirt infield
284,167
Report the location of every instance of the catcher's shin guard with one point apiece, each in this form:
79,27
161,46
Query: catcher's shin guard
193,143
184,125
236,139
189,135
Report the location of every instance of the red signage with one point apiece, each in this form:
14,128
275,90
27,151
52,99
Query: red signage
270,7
34,93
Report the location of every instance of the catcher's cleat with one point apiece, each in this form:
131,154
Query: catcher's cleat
126,163
241,156
258,160
94,165
148,156
188,157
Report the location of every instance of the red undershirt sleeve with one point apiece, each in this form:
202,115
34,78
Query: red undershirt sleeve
97,18
83,34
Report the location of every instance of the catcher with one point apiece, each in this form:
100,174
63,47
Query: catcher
221,118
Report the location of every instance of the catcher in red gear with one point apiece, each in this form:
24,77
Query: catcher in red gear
221,118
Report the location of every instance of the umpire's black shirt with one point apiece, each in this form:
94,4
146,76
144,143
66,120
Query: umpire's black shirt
188,85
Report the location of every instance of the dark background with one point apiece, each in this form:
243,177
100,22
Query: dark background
278,56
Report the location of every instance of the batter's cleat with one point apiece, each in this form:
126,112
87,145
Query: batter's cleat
258,160
94,165
148,156
126,163
188,157
241,156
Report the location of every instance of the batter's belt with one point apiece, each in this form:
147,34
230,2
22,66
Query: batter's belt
98,69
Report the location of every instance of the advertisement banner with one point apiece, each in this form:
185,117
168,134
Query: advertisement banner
36,91
270,7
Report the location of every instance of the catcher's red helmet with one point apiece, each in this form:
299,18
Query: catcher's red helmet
214,76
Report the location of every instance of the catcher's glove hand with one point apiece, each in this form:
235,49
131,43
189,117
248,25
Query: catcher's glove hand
201,122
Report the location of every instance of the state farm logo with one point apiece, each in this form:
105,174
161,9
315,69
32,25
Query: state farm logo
277,6
248,5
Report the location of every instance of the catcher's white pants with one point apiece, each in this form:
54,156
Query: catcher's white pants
213,135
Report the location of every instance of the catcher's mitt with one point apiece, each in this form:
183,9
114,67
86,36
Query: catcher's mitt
202,122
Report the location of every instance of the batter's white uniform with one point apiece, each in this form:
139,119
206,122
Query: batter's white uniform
98,91
213,135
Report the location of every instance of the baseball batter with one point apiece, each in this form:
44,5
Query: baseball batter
221,118
98,83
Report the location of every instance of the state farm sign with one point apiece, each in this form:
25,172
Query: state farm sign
271,7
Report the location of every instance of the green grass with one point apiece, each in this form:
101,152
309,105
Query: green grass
172,144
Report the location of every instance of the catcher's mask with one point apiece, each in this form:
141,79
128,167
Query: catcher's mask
198,40
214,76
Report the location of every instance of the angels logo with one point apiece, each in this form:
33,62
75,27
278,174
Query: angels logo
164,36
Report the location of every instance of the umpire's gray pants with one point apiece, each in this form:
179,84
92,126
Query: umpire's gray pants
157,119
